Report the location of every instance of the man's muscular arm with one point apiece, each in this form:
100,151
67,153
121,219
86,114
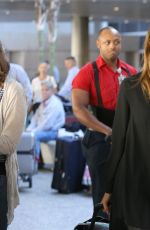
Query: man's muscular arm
80,102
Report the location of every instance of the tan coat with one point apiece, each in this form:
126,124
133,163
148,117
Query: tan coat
13,108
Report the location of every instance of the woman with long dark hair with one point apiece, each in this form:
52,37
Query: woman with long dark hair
13,107
127,196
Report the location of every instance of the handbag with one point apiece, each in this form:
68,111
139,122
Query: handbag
96,222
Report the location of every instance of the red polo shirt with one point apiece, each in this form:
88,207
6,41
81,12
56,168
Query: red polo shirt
109,84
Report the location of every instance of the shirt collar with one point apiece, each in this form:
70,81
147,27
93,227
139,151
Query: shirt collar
46,102
100,62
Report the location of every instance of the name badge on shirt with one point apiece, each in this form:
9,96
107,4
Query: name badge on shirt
121,76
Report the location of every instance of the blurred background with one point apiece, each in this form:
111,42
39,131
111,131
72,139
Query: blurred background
34,31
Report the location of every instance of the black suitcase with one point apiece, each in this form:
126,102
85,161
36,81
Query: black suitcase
69,165
96,222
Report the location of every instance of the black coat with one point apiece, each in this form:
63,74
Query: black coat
129,163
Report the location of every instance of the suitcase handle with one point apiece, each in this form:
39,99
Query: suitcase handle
97,208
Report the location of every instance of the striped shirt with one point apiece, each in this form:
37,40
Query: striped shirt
1,93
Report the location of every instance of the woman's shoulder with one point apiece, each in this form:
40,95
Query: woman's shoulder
35,80
12,84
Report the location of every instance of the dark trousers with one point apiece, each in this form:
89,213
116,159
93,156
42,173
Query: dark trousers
3,202
96,153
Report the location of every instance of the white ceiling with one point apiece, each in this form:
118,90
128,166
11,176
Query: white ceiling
111,10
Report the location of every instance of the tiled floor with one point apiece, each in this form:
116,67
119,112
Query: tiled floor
44,209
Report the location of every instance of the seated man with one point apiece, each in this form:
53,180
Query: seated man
48,118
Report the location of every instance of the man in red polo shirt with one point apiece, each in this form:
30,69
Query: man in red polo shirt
99,119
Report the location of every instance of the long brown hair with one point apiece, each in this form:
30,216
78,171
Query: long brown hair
4,65
145,75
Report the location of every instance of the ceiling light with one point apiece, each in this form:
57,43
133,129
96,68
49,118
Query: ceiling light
116,8
67,1
144,1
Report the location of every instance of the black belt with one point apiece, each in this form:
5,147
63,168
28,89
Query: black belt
2,168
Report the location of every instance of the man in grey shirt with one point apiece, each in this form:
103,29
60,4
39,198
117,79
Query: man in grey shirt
72,68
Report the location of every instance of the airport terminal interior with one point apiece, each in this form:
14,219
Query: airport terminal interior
33,31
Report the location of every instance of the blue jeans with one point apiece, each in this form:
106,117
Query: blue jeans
43,136
3,202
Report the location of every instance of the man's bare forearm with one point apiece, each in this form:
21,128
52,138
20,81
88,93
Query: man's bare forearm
90,121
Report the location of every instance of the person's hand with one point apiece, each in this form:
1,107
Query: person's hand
108,135
108,131
106,202
108,139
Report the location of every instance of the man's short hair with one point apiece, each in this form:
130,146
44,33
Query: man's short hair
107,28
70,58
48,84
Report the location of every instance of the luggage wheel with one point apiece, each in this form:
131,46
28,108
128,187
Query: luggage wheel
27,178
30,182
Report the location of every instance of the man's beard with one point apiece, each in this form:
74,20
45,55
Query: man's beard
113,58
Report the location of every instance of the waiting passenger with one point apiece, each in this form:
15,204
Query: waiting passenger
48,118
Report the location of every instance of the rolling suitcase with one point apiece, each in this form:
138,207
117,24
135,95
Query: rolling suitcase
95,223
26,157
69,165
